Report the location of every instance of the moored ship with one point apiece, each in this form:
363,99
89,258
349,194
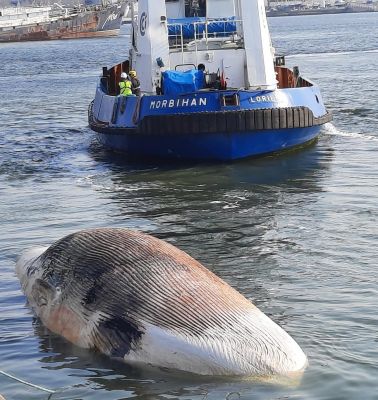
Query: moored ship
59,22
284,9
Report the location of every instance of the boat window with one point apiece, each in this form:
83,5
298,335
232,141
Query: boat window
195,8
230,100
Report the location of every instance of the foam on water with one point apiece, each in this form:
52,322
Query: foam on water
331,129
332,53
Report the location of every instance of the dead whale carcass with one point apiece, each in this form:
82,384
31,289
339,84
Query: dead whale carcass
130,295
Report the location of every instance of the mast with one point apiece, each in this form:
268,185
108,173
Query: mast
152,50
258,50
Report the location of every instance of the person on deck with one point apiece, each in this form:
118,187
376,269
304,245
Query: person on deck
125,85
201,67
135,84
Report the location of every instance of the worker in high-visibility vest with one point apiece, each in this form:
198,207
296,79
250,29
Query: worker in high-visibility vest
125,85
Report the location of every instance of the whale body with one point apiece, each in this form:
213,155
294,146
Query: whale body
130,295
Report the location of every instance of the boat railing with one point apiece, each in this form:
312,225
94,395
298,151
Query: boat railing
207,34
17,16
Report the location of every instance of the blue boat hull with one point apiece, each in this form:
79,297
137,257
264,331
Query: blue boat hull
202,125
212,146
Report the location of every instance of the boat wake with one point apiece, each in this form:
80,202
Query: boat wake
331,53
331,129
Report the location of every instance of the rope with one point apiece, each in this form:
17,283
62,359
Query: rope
228,397
27,383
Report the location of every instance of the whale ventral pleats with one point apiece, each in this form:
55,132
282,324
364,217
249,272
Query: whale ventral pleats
127,294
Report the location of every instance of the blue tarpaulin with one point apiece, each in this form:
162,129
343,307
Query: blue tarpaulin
180,82
221,26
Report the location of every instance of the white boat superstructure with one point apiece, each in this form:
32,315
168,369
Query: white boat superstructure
229,37
20,16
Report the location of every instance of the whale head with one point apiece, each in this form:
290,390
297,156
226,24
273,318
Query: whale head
25,265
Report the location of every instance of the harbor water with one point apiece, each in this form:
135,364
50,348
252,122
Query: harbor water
296,234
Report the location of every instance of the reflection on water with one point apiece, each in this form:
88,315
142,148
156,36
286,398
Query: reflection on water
120,380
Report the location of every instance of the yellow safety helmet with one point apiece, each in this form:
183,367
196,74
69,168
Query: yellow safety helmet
132,73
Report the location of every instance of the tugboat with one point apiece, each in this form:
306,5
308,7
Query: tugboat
211,87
